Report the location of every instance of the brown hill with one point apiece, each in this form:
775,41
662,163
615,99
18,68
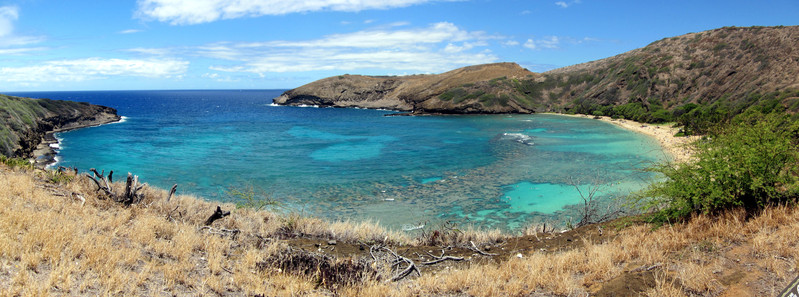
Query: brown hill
734,66
729,69
408,93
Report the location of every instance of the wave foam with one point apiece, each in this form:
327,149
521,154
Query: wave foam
520,138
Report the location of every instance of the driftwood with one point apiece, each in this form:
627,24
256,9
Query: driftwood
218,214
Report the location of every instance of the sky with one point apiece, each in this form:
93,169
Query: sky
57,45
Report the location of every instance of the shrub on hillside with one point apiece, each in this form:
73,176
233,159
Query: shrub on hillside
751,164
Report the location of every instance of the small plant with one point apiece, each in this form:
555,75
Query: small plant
249,197
59,176
16,162
445,233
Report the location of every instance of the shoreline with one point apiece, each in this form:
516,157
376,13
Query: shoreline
45,154
676,147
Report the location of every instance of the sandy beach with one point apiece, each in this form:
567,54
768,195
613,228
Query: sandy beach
676,147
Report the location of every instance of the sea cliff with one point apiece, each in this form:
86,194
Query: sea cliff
27,124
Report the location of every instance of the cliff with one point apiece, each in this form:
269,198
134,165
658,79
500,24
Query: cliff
729,68
24,122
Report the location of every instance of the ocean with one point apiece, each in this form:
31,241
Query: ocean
486,171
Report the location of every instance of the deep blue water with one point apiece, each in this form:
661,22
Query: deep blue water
359,164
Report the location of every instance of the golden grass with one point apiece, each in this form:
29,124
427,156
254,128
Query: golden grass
52,243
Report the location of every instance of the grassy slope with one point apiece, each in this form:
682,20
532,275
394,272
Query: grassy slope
51,243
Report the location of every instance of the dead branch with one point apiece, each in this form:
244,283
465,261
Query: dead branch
105,185
132,187
169,216
218,214
394,261
399,260
171,192
79,197
221,231
477,250
441,258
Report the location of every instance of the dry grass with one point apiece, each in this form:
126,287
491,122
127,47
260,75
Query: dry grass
52,243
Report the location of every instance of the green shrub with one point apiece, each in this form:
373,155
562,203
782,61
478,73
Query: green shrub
751,164
16,162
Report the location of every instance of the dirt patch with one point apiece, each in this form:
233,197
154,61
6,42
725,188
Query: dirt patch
628,284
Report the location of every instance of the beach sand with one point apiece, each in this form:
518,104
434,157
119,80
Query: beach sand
676,147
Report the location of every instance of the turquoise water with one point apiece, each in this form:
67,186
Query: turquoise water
501,171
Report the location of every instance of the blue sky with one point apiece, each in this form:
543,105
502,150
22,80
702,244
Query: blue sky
277,44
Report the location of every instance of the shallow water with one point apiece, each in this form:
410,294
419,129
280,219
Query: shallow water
502,171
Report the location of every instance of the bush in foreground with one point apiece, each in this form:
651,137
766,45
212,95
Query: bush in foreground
751,164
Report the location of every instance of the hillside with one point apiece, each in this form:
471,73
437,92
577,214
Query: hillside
724,70
418,93
24,122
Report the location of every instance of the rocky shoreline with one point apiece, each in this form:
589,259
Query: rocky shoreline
45,153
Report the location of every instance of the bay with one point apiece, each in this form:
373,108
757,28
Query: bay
490,171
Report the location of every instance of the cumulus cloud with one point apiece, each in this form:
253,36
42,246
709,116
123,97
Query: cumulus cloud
92,68
438,47
547,43
189,12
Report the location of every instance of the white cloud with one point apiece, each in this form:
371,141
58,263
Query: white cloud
511,43
189,12
565,4
129,31
438,47
436,33
91,69
150,51
8,15
20,50
552,42
530,44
